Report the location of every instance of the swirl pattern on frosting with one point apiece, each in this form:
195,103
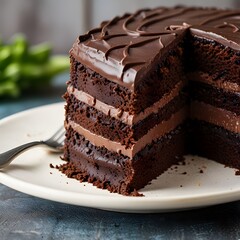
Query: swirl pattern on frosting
123,49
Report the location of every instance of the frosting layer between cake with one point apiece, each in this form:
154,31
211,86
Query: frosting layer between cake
118,113
154,133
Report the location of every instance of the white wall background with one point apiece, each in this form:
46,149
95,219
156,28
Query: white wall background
61,21
55,21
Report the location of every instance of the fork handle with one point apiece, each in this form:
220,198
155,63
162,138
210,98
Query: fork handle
7,157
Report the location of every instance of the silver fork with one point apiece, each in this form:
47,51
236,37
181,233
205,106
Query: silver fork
55,143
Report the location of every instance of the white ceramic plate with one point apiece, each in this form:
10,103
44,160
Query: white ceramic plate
199,183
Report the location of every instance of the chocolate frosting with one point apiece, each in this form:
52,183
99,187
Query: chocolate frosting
123,49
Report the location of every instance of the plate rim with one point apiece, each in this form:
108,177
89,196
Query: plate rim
135,204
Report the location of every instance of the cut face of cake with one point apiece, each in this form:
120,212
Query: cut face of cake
147,88
215,100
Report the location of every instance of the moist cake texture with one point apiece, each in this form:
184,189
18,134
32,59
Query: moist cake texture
147,88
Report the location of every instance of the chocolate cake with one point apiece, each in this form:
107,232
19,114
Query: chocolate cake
147,88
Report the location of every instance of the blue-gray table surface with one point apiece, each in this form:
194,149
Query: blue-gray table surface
27,217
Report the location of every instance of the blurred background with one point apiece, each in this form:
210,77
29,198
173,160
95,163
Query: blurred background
60,21
27,67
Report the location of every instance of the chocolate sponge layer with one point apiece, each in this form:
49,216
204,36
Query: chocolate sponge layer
211,57
215,143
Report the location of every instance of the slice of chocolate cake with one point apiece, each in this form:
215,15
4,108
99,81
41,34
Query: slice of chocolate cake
142,85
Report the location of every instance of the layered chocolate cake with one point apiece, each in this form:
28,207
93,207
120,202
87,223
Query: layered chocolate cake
147,88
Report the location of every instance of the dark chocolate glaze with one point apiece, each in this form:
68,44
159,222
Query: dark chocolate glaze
123,49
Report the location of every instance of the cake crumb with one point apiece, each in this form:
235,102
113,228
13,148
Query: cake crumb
52,166
181,185
180,158
237,173
183,163
201,171
184,173
50,172
135,193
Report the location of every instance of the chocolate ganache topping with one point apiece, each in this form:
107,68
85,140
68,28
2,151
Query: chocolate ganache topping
123,49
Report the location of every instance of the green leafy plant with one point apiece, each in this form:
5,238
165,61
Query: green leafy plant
24,67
